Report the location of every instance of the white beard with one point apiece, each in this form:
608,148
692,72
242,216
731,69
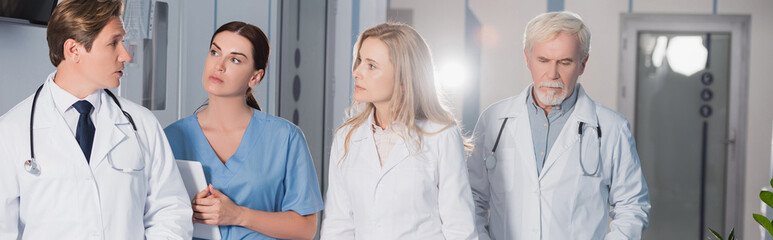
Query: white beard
551,97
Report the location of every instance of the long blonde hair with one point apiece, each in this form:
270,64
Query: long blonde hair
414,97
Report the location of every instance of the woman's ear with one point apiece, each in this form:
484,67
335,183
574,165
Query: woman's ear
257,76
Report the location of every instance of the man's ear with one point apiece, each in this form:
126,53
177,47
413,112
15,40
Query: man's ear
257,76
72,50
582,66
526,55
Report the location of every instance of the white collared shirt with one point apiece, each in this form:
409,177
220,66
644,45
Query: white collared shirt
64,100
385,139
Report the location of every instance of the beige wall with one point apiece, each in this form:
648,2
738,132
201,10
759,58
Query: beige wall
444,35
504,73
503,64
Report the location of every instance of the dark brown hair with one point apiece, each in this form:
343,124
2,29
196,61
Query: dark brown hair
80,20
260,49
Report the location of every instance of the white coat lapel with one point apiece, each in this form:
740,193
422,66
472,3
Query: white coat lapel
525,147
108,134
363,159
363,147
565,140
51,126
585,111
369,153
519,134
397,155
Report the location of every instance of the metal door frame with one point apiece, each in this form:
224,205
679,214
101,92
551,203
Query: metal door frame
738,27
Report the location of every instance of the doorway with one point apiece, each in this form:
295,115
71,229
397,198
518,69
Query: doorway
683,88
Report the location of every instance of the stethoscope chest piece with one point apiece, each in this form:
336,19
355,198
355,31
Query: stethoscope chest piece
491,160
32,167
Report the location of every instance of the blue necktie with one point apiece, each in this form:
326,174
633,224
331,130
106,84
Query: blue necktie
85,132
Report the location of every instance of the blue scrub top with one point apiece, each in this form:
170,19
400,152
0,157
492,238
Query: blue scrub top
271,170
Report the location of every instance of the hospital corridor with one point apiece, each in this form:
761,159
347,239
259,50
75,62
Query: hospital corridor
386,119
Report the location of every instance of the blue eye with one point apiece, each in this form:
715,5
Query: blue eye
235,60
371,66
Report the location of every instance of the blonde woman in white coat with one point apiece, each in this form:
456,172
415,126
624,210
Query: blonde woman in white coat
397,167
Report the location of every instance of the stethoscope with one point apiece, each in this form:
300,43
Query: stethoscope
491,160
32,167
582,164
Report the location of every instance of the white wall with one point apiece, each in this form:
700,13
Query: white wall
24,62
446,43
503,65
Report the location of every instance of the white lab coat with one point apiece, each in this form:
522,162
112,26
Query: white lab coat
71,199
425,195
513,202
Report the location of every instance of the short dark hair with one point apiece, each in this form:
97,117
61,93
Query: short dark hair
80,20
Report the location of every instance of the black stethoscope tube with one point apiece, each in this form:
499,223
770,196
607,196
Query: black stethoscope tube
579,130
496,143
32,117
499,135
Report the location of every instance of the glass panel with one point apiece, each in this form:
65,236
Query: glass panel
681,130
154,72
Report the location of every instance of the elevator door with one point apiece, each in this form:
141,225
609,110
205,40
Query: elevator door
683,88
681,114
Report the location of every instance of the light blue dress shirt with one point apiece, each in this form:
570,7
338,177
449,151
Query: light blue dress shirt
270,171
545,129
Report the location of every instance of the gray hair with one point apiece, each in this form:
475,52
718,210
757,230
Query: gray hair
547,26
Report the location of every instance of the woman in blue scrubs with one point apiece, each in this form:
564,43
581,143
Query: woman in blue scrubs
262,179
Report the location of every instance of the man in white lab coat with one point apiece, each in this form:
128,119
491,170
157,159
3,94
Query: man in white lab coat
73,163
550,162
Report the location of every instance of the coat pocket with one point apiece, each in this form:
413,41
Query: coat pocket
128,156
501,176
